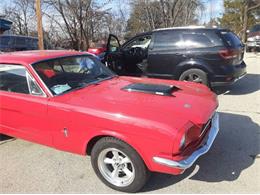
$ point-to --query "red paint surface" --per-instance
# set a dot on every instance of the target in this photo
(152, 124)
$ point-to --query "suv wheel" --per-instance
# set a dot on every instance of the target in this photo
(118, 165)
(195, 75)
(248, 49)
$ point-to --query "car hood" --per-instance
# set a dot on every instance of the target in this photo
(108, 99)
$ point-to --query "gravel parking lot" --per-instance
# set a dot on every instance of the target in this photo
(231, 166)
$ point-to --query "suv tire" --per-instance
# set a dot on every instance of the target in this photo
(118, 165)
(195, 75)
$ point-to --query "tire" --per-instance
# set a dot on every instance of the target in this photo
(248, 49)
(195, 75)
(4, 137)
(129, 176)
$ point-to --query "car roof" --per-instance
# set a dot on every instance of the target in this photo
(30, 57)
(180, 28)
(189, 28)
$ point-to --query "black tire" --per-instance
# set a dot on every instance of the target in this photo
(195, 75)
(141, 173)
(4, 137)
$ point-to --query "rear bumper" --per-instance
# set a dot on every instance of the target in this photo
(230, 76)
(188, 162)
(252, 44)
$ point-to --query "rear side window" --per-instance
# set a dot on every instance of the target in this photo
(15, 78)
(231, 38)
(167, 40)
(201, 39)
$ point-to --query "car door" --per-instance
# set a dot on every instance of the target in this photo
(23, 105)
(112, 58)
(165, 52)
(135, 53)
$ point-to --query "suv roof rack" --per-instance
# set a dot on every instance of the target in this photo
(180, 27)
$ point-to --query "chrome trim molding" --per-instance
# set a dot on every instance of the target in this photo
(188, 162)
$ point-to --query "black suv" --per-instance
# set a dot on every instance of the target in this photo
(211, 56)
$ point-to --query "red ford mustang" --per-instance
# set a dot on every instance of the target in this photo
(130, 126)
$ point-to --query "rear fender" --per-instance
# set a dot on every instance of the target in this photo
(199, 64)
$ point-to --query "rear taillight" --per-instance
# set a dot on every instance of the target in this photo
(229, 53)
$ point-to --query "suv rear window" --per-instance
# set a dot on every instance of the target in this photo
(231, 38)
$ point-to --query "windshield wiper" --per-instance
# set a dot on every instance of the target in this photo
(97, 79)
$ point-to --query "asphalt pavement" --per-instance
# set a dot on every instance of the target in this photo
(231, 166)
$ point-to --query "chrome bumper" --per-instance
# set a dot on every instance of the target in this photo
(188, 162)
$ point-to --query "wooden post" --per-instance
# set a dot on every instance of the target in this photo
(39, 24)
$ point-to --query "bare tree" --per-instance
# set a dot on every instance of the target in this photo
(21, 13)
(147, 15)
(249, 5)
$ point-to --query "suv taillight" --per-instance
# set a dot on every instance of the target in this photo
(229, 53)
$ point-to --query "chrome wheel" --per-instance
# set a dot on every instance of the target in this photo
(116, 167)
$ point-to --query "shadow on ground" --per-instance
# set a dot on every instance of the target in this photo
(234, 150)
(248, 84)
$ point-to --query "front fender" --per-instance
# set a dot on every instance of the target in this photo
(145, 146)
(127, 139)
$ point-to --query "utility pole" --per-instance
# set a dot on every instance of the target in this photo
(39, 24)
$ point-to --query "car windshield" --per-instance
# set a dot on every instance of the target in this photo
(66, 74)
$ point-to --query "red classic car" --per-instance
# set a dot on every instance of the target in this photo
(98, 49)
(130, 126)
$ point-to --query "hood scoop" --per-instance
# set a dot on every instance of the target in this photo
(157, 89)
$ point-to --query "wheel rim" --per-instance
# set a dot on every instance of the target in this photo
(116, 167)
(194, 78)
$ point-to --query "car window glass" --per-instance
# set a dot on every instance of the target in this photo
(255, 28)
(231, 38)
(33, 86)
(142, 42)
(13, 78)
(167, 40)
(113, 44)
(196, 40)
(65, 74)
